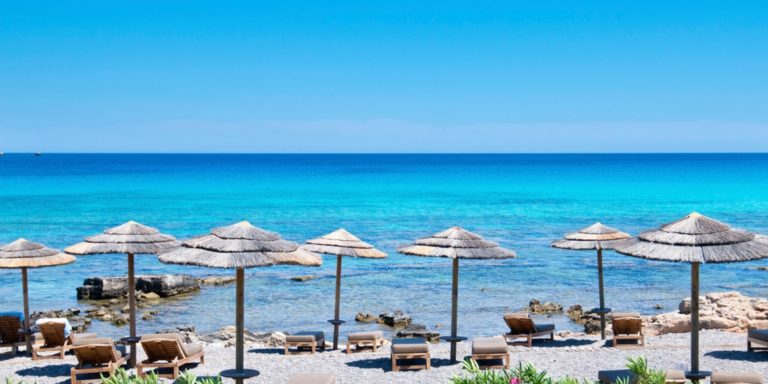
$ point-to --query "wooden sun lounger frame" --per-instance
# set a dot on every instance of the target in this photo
(492, 356)
(509, 337)
(632, 335)
(374, 343)
(174, 363)
(11, 325)
(110, 368)
(53, 341)
(312, 345)
(421, 355)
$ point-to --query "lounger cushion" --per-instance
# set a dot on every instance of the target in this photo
(414, 345)
(92, 341)
(489, 346)
(67, 326)
(366, 336)
(545, 328)
(308, 337)
(521, 315)
(619, 315)
(312, 378)
(736, 378)
(191, 349)
(760, 334)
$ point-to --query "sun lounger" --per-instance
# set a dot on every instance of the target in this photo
(166, 350)
(611, 377)
(57, 337)
(306, 341)
(11, 332)
(313, 378)
(415, 348)
(522, 327)
(627, 326)
(365, 339)
(736, 378)
(96, 355)
(759, 337)
(490, 349)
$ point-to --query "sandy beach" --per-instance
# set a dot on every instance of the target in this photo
(580, 356)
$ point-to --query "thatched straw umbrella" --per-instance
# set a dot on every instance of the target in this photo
(239, 246)
(595, 237)
(456, 243)
(26, 254)
(696, 239)
(132, 239)
(341, 243)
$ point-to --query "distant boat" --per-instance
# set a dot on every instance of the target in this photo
(2, 153)
(38, 154)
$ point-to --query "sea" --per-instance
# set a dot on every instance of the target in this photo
(522, 201)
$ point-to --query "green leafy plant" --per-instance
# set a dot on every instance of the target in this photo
(188, 377)
(474, 375)
(12, 380)
(643, 373)
(522, 374)
(122, 377)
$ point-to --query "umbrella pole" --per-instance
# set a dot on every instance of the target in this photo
(239, 320)
(602, 291)
(132, 309)
(26, 309)
(338, 300)
(695, 318)
(454, 308)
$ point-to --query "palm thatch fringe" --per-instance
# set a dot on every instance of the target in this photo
(26, 254)
(596, 236)
(696, 239)
(237, 252)
(341, 242)
(456, 243)
(131, 237)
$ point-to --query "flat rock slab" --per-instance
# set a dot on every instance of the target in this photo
(101, 288)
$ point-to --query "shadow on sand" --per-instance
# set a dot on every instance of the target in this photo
(385, 363)
(754, 357)
(57, 370)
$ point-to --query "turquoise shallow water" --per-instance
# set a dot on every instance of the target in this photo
(522, 201)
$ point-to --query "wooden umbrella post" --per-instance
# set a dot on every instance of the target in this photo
(25, 288)
(602, 290)
(239, 322)
(695, 318)
(336, 321)
(132, 309)
(454, 308)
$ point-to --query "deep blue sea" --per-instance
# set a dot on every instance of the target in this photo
(521, 201)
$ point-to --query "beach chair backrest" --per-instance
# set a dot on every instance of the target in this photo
(520, 323)
(9, 329)
(162, 347)
(53, 334)
(95, 351)
(627, 325)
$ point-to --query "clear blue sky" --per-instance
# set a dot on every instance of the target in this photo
(442, 76)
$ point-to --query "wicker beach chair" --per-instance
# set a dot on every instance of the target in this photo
(166, 350)
(55, 339)
(96, 356)
(11, 333)
(627, 326)
(521, 326)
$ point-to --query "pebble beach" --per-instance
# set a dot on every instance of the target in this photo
(577, 356)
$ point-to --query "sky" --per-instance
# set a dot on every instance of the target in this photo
(391, 76)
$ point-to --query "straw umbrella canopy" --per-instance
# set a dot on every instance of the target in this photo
(25, 254)
(132, 239)
(696, 239)
(595, 237)
(239, 246)
(341, 243)
(456, 243)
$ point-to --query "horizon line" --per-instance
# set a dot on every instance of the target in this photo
(385, 153)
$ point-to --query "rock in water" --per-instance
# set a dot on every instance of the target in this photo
(365, 317)
(167, 285)
(539, 308)
(304, 278)
(395, 319)
(218, 280)
(418, 330)
(101, 288)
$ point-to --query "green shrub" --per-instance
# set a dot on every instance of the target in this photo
(188, 377)
(644, 374)
(122, 377)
